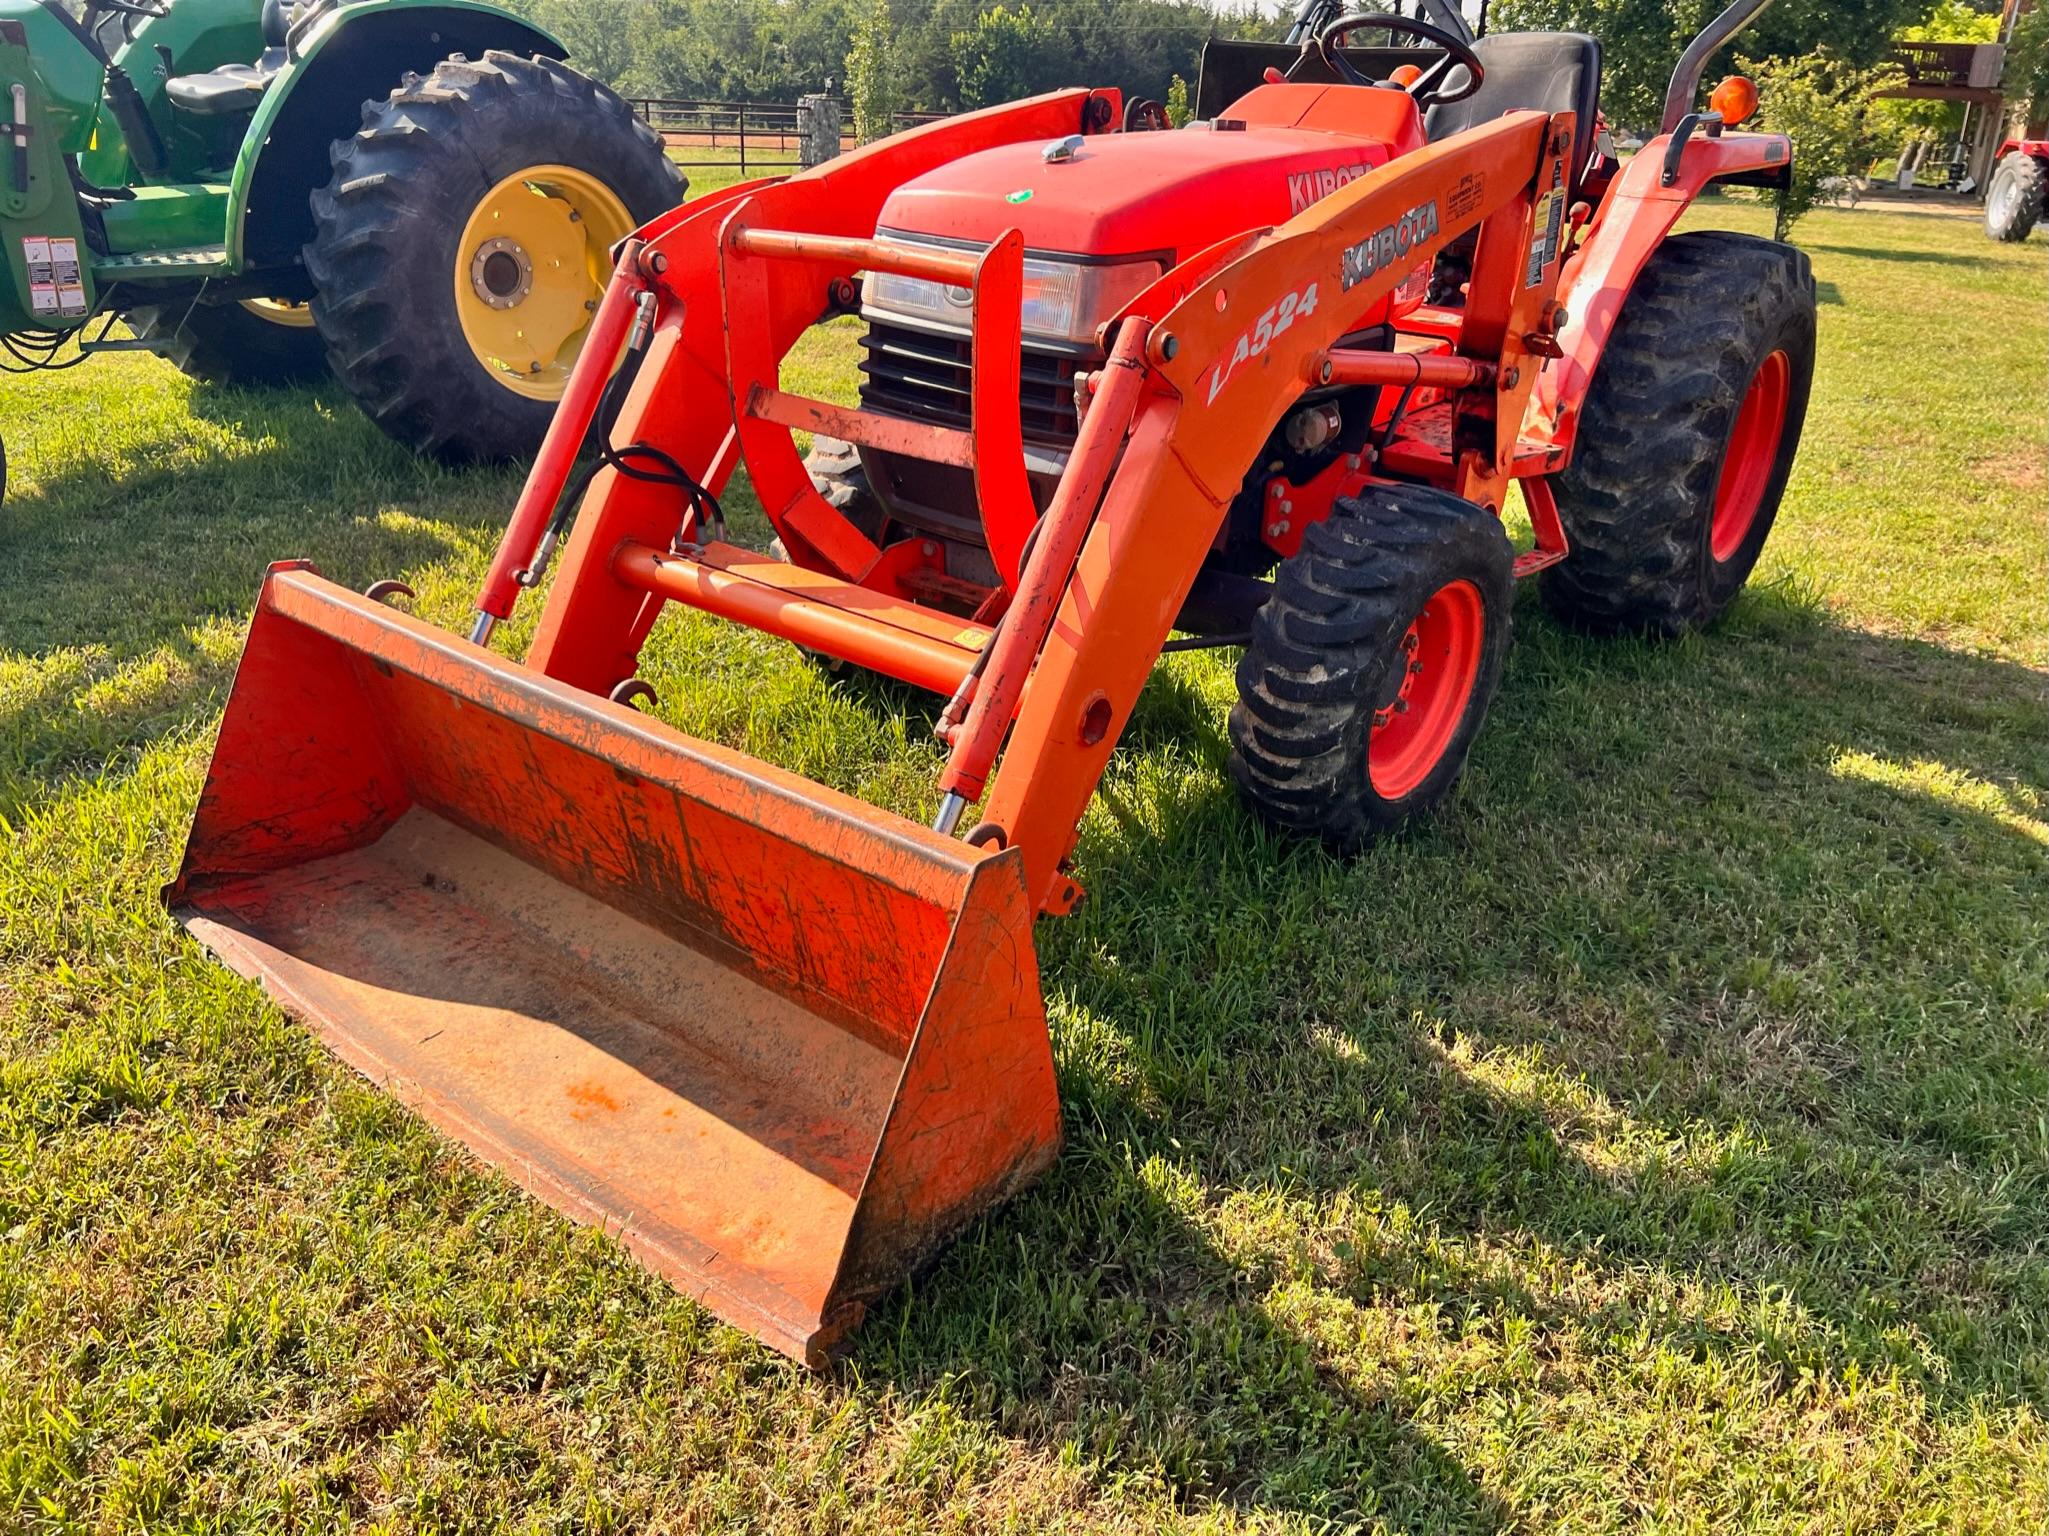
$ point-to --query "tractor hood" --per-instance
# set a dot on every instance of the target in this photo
(1164, 194)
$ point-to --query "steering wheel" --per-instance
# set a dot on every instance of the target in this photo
(1456, 50)
(1144, 115)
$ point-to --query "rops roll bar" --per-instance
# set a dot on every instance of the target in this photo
(1685, 84)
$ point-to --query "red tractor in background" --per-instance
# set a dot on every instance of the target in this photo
(1265, 382)
(2014, 197)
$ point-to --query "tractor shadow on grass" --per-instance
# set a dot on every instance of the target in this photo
(1716, 980)
(1914, 257)
(135, 567)
(129, 550)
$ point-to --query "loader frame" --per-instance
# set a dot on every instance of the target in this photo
(1202, 365)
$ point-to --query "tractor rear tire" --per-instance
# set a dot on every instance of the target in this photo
(254, 343)
(1372, 665)
(400, 245)
(1687, 438)
(2013, 203)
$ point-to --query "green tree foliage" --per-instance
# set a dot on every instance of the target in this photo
(2027, 66)
(1641, 40)
(871, 72)
(947, 54)
(1823, 103)
(1178, 109)
(1004, 54)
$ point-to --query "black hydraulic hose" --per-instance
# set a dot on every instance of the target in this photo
(665, 469)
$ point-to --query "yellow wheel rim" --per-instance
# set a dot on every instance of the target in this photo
(297, 317)
(530, 268)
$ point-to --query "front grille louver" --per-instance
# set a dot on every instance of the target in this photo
(926, 377)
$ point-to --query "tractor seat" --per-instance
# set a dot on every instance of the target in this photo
(225, 91)
(1544, 71)
(236, 88)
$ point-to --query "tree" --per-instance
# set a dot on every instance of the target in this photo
(2027, 67)
(597, 40)
(1178, 110)
(871, 72)
(1641, 40)
(1823, 103)
(1004, 55)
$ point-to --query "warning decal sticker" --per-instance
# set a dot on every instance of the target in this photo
(42, 280)
(1547, 230)
(64, 269)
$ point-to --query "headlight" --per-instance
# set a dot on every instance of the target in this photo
(1063, 300)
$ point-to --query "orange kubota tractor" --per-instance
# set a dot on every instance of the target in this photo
(1265, 381)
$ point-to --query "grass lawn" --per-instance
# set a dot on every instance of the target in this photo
(1659, 1142)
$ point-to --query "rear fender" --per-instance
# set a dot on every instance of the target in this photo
(345, 57)
(1632, 222)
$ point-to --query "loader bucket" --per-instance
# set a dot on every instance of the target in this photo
(782, 1044)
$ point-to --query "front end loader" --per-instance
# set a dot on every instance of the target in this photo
(417, 194)
(1266, 382)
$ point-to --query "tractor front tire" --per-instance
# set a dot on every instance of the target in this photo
(835, 468)
(836, 471)
(1687, 437)
(259, 342)
(2013, 203)
(462, 246)
(1372, 665)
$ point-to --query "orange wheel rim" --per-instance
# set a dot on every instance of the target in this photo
(1440, 658)
(1753, 450)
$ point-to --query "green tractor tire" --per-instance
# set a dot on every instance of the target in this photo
(464, 241)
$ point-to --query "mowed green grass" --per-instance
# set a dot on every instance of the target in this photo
(1658, 1142)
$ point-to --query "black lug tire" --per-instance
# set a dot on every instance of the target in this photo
(383, 255)
(1325, 654)
(224, 343)
(835, 468)
(2013, 203)
(1638, 498)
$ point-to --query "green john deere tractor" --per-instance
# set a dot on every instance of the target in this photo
(417, 194)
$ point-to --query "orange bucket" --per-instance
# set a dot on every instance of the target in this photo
(780, 1043)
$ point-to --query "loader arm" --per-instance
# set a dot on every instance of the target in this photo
(1235, 344)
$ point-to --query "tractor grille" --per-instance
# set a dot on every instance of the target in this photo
(925, 377)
